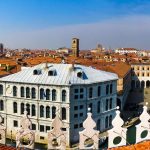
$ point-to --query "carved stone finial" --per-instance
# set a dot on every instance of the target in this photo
(143, 126)
(57, 137)
(117, 121)
(89, 133)
(117, 131)
(24, 133)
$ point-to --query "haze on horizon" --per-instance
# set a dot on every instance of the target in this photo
(53, 23)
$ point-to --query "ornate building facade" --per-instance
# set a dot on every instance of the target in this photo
(67, 89)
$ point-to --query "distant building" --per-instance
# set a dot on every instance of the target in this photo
(98, 49)
(68, 89)
(140, 75)
(63, 50)
(1, 48)
(75, 47)
(125, 50)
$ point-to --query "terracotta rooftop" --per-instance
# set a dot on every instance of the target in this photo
(140, 146)
(4, 147)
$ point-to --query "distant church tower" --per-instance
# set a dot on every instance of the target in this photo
(75, 47)
(1, 48)
(99, 48)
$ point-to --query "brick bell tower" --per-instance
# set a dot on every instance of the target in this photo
(75, 47)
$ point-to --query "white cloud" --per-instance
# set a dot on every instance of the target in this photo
(129, 31)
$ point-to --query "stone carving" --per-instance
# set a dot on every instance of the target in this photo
(143, 128)
(57, 137)
(2, 132)
(117, 135)
(89, 138)
(25, 137)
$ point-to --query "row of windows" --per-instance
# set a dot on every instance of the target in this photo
(44, 111)
(146, 74)
(140, 68)
(42, 128)
(31, 93)
(78, 115)
(109, 90)
(76, 126)
(78, 107)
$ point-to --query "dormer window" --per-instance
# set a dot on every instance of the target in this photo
(36, 72)
(80, 74)
(52, 73)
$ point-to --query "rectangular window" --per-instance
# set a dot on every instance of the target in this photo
(15, 123)
(41, 138)
(81, 106)
(76, 91)
(48, 128)
(75, 115)
(63, 129)
(81, 90)
(76, 97)
(75, 126)
(81, 96)
(99, 91)
(75, 107)
(33, 126)
(2, 120)
(81, 114)
(41, 128)
(91, 108)
(81, 125)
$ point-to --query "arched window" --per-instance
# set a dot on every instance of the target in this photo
(106, 106)
(98, 124)
(28, 108)
(110, 120)
(1, 105)
(53, 95)
(53, 112)
(90, 92)
(41, 111)
(98, 107)
(63, 95)
(22, 92)
(33, 93)
(111, 88)
(47, 112)
(99, 91)
(47, 94)
(15, 107)
(14, 91)
(27, 92)
(107, 89)
(33, 110)
(63, 113)
(22, 108)
(1, 89)
(110, 103)
(41, 93)
(106, 122)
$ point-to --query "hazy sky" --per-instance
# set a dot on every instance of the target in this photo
(53, 23)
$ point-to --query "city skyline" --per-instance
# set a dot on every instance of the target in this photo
(52, 24)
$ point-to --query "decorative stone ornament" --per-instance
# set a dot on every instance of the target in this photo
(89, 138)
(25, 137)
(57, 137)
(117, 135)
(143, 128)
(2, 132)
